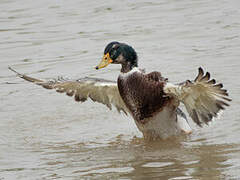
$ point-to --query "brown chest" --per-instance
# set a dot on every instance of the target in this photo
(144, 98)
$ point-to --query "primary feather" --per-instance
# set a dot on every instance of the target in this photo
(203, 98)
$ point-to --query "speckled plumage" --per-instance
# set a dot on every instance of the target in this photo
(143, 94)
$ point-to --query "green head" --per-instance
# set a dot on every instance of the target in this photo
(119, 53)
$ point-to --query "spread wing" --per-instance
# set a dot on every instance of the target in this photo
(203, 98)
(99, 90)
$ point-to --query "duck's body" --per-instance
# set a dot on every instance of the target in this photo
(154, 112)
(149, 98)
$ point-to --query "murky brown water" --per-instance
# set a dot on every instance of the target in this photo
(45, 135)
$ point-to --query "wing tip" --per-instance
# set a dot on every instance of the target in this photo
(200, 74)
(18, 74)
(217, 95)
(211, 82)
(25, 77)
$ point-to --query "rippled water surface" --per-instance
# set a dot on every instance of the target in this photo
(45, 135)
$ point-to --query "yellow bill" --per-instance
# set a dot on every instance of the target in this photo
(106, 60)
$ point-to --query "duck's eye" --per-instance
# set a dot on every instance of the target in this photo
(105, 58)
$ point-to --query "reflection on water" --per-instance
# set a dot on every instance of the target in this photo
(44, 135)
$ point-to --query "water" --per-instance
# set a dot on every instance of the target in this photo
(45, 135)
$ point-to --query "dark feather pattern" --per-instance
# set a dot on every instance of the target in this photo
(212, 81)
(200, 75)
(195, 117)
(143, 94)
(206, 77)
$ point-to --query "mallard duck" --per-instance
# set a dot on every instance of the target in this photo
(149, 98)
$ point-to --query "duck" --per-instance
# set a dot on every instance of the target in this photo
(149, 98)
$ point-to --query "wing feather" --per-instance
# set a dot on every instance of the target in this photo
(203, 98)
(98, 90)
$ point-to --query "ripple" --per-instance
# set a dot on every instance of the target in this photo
(157, 164)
